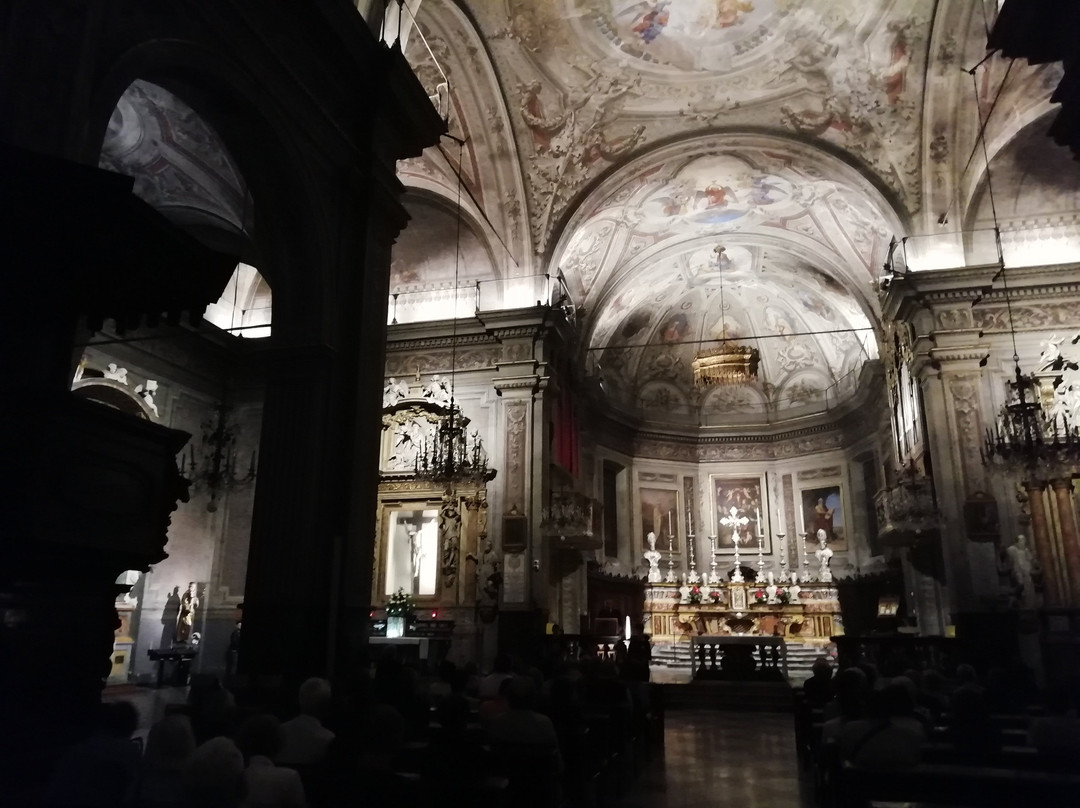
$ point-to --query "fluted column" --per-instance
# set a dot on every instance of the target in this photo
(1042, 540)
(1062, 489)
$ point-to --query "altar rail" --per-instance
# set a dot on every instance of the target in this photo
(732, 657)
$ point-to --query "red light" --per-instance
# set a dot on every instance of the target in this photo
(371, 613)
(434, 614)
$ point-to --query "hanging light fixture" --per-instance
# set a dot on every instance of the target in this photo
(216, 471)
(452, 455)
(730, 363)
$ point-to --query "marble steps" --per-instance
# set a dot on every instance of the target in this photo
(800, 658)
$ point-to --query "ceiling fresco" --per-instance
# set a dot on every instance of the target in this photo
(750, 189)
(179, 163)
(812, 334)
(590, 82)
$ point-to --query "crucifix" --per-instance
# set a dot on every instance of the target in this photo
(734, 521)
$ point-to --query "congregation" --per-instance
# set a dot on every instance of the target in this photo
(514, 736)
(919, 734)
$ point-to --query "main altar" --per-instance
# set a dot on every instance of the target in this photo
(806, 612)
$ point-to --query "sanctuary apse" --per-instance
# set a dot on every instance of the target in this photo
(530, 219)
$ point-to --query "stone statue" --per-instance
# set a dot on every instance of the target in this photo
(185, 617)
(794, 589)
(394, 392)
(652, 555)
(1021, 570)
(771, 589)
(146, 393)
(824, 554)
(416, 554)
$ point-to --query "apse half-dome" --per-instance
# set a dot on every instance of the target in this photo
(811, 333)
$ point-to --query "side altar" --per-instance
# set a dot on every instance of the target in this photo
(798, 612)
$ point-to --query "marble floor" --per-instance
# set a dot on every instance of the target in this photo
(719, 759)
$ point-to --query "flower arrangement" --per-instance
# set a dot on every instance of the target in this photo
(399, 605)
(695, 594)
(760, 596)
(714, 595)
(783, 595)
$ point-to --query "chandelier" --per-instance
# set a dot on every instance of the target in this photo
(216, 471)
(451, 455)
(726, 365)
(1026, 436)
(730, 363)
(569, 517)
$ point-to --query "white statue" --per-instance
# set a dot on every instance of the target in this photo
(794, 589)
(771, 589)
(117, 374)
(652, 555)
(438, 390)
(824, 555)
(146, 393)
(1021, 570)
(684, 593)
(394, 392)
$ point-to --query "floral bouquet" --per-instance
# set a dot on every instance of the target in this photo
(783, 595)
(714, 595)
(695, 594)
(399, 605)
(760, 596)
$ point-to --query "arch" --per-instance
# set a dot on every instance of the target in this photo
(761, 182)
(291, 219)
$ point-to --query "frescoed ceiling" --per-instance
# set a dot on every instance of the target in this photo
(590, 82)
(813, 337)
(626, 140)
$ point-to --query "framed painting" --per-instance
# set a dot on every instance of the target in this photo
(744, 494)
(660, 515)
(823, 509)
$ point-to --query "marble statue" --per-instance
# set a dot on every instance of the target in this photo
(1021, 570)
(794, 589)
(117, 374)
(652, 555)
(824, 554)
(771, 589)
(146, 393)
(394, 392)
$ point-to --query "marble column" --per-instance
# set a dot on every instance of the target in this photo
(1043, 541)
(1062, 489)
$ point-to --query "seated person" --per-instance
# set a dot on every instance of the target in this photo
(169, 748)
(849, 704)
(817, 690)
(304, 739)
(521, 726)
(215, 775)
(891, 738)
(268, 786)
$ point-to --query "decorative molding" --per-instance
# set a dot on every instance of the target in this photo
(515, 459)
(657, 477)
(963, 392)
(828, 472)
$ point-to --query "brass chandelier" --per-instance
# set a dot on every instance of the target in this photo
(730, 363)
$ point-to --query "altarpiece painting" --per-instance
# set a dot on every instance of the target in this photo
(660, 515)
(744, 494)
(823, 509)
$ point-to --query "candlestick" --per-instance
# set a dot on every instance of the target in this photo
(760, 557)
(805, 559)
(712, 552)
(737, 576)
(783, 555)
(670, 577)
(690, 542)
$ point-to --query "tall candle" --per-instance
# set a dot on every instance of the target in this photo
(670, 530)
(757, 523)
(689, 523)
(627, 627)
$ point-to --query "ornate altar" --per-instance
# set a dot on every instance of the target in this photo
(802, 612)
(432, 524)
